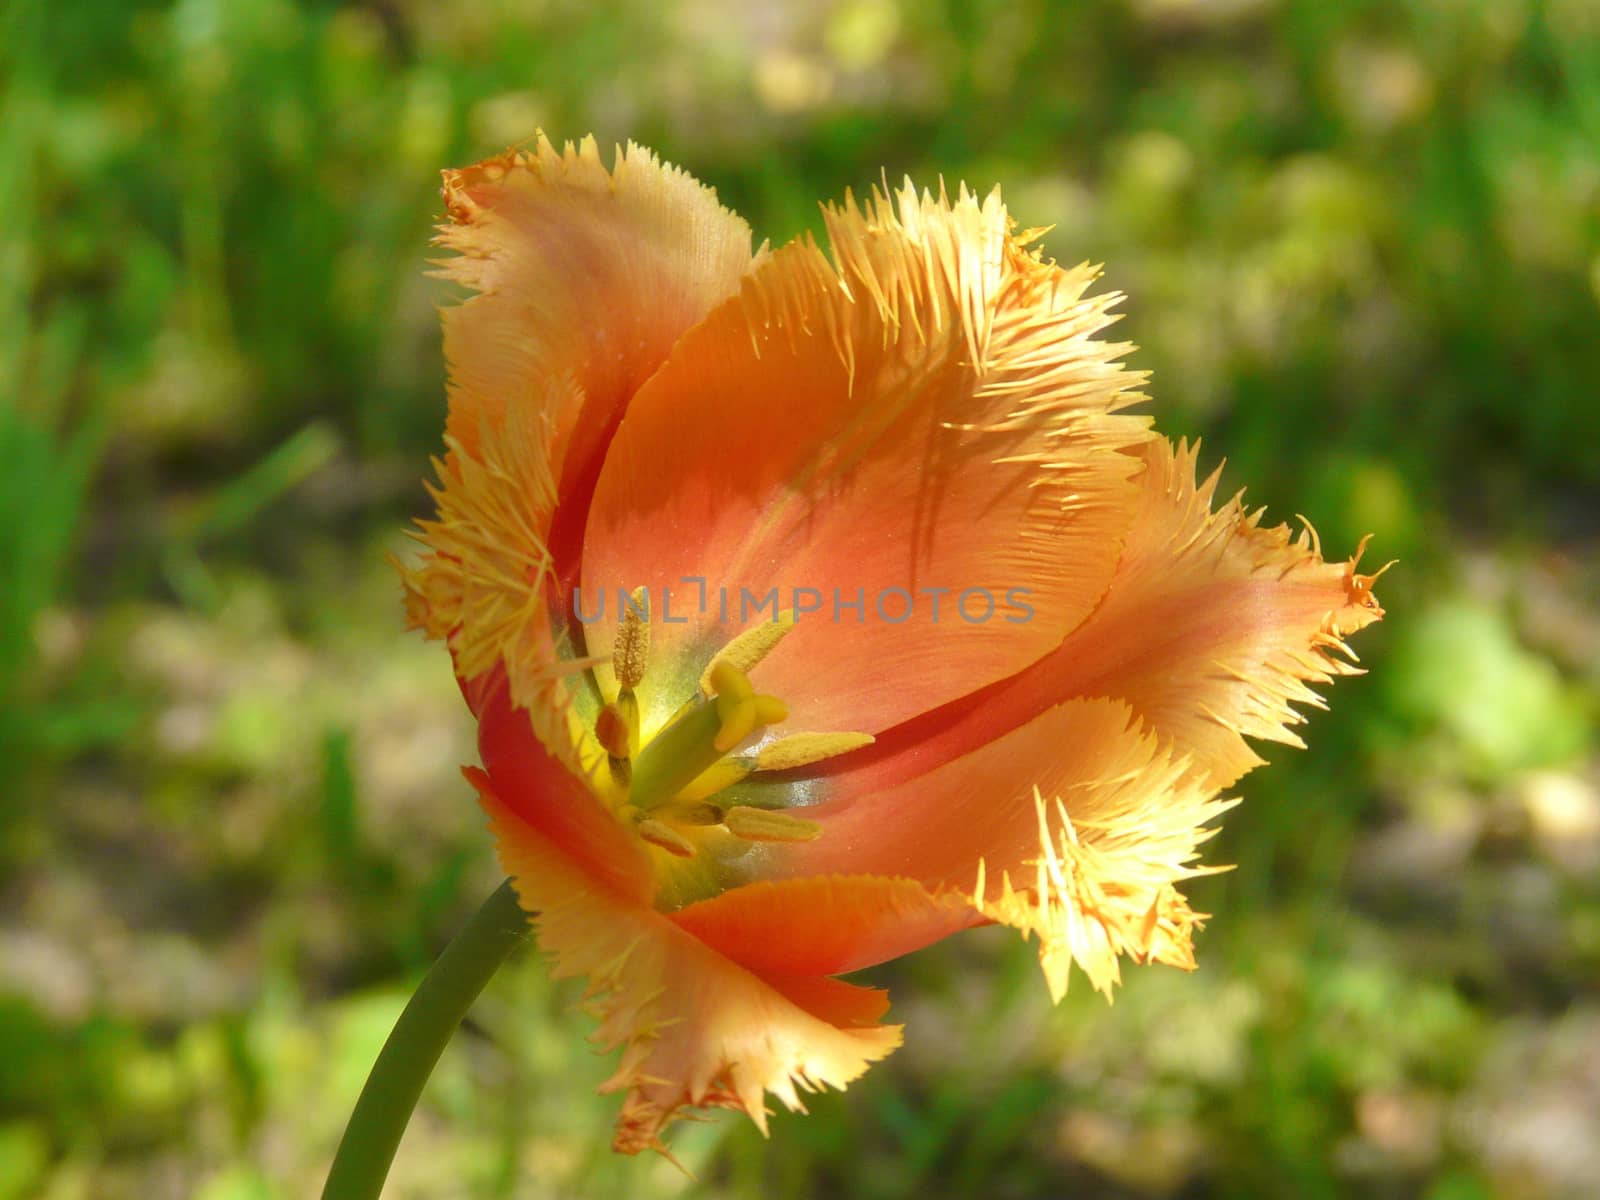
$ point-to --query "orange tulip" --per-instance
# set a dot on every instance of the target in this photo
(814, 608)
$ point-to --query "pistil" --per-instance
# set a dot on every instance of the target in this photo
(673, 782)
(701, 736)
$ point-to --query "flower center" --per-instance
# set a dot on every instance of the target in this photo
(673, 788)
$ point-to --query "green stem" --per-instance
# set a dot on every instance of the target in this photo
(446, 993)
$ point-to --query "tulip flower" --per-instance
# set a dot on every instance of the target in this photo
(815, 605)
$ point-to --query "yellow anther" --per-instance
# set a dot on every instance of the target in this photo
(658, 833)
(803, 749)
(769, 825)
(630, 650)
(747, 649)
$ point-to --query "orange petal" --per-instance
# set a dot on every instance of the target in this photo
(550, 796)
(697, 1030)
(935, 413)
(1214, 626)
(583, 279)
(824, 926)
(1212, 630)
(1073, 828)
(582, 275)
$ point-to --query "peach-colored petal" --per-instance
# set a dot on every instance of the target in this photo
(583, 279)
(548, 795)
(1214, 625)
(826, 925)
(935, 413)
(697, 1030)
(581, 275)
(1073, 828)
(1213, 628)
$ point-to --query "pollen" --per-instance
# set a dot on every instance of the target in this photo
(769, 825)
(630, 651)
(803, 749)
(659, 833)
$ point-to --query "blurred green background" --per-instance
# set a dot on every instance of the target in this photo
(1362, 245)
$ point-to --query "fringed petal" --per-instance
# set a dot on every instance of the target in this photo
(1074, 829)
(1214, 629)
(1038, 648)
(583, 279)
(696, 1029)
(859, 444)
(486, 585)
(1215, 626)
(580, 275)
(1250, 614)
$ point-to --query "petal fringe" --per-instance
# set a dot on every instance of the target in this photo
(1103, 882)
(1214, 629)
(583, 279)
(1215, 626)
(485, 584)
(1074, 829)
(580, 275)
(696, 1029)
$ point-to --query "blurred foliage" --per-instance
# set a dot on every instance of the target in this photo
(1362, 245)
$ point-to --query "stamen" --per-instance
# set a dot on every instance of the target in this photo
(617, 731)
(803, 749)
(769, 825)
(611, 730)
(658, 833)
(627, 707)
(621, 772)
(747, 649)
(701, 735)
(723, 773)
(617, 726)
(630, 650)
